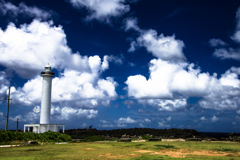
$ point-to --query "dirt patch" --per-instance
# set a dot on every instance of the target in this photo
(118, 156)
(89, 148)
(184, 152)
(139, 141)
(110, 156)
(143, 151)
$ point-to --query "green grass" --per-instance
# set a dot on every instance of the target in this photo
(116, 150)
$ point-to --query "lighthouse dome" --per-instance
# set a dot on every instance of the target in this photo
(47, 67)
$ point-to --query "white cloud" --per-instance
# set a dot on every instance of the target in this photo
(102, 10)
(121, 125)
(126, 120)
(227, 53)
(131, 23)
(29, 117)
(216, 42)
(169, 118)
(67, 113)
(147, 120)
(111, 58)
(223, 92)
(166, 78)
(37, 109)
(84, 125)
(234, 123)
(104, 121)
(7, 8)
(238, 112)
(214, 119)
(107, 125)
(169, 80)
(203, 118)
(163, 124)
(236, 35)
(85, 88)
(237, 118)
(141, 125)
(4, 84)
(1, 113)
(165, 105)
(180, 126)
(163, 47)
(41, 39)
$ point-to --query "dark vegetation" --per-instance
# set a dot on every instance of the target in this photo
(146, 133)
(9, 136)
(149, 134)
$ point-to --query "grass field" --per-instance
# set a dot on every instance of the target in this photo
(126, 150)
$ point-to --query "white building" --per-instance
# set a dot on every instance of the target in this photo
(45, 125)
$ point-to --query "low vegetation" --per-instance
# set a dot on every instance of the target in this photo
(145, 137)
(92, 139)
(8, 136)
(133, 150)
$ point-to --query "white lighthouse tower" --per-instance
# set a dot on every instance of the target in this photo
(46, 95)
(45, 125)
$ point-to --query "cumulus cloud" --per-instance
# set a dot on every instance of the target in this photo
(30, 117)
(147, 120)
(223, 93)
(126, 120)
(163, 124)
(169, 80)
(69, 113)
(116, 60)
(141, 125)
(131, 23)
(121, 125)
(129, 103)
(79, 78)
(166, 78)
(4, 84)
(72, 85)
(203, 118)
(106, 125)
(214, 119)
(236, 35)
(227, 53)
(41, 39)
(163, 47)
(102, 9)
(37, 109)
(104, 121)
(165, 105)
(216, 42)
(169, 119)
(7, 8)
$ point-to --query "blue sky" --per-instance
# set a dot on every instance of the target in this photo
(123, 63)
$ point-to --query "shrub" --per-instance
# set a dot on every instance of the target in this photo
(8, 136)
(146, 137)
(92, 138)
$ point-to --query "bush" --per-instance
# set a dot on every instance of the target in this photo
(8, 136)
(92, 138)
(145, 137)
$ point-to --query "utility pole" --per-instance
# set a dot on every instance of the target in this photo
(17, 125)
(7, 109)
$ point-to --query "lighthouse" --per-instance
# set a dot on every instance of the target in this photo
(45, 114)
(46, 95)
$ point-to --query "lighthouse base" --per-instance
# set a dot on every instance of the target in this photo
(41, 128)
